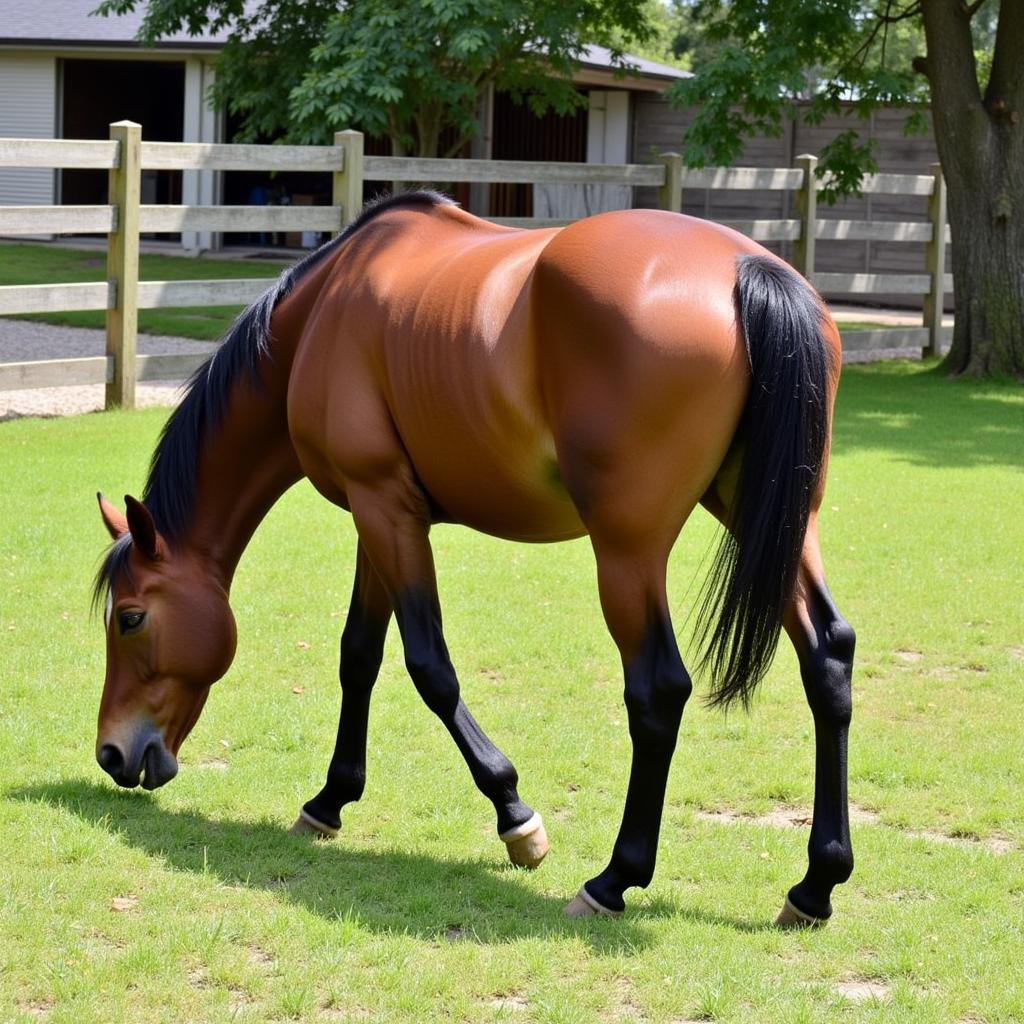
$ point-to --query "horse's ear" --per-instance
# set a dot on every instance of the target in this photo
(143, 529)
(113, 520)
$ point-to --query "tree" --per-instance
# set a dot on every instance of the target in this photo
(411, 70)
(768, 53)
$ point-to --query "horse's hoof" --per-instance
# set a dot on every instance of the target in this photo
(793, 917)
(527, 844)
(584, 905)
(307, 825)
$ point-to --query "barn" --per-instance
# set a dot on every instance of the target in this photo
(65, 73)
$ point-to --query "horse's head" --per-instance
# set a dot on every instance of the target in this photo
(170, 636)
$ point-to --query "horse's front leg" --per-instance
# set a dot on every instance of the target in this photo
(632, 587)
(824, 643)
(362, 648)
(393, 521)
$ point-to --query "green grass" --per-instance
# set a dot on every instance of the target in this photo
(45, 264)
(861, 325)
(412, 914)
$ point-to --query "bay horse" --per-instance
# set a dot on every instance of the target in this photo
(427, 366)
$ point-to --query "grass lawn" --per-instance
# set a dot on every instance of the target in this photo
(194, 903)
(46, 264)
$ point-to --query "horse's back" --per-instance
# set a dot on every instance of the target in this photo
(503, 363)
(422, 345)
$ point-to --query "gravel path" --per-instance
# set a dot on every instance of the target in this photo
(23, 340)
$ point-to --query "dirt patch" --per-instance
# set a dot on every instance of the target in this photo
(123, 904)
(38, 1008)
(627, 1008)
(198, 978)
(908, 656)
(860, 990)
(782, 817)
(105, 940)
(996, 843)
(795, 817)
(260, 958)
(511, 1003)
(342, 1013)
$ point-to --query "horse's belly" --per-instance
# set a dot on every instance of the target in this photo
(513, 491)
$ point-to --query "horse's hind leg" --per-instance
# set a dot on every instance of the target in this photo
(393, 523)
(824, 643)
(632, 588)
(362, 648)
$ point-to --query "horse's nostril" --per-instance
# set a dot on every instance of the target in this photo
(111, 759)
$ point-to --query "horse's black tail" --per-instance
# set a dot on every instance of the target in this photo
(783, 433)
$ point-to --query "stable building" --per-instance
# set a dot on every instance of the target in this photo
(65, 73)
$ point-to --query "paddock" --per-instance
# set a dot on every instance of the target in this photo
(195, 903)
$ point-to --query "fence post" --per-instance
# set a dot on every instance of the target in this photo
(807, 211)
(123, 264)
(348, 182)
(670, 195)
(935, 264)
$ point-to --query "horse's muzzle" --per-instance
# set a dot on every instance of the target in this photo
(150, 763)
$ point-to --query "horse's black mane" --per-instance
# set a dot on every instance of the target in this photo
(172, 473)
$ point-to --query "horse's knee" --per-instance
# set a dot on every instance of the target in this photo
(827, 674)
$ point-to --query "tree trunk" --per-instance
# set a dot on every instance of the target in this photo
(986, 220)
(981, 147)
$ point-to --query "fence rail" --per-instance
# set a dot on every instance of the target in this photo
(125, 156)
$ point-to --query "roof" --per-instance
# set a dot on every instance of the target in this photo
(71, 23)
(598, 58)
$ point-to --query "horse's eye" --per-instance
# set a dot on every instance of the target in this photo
(129, 622)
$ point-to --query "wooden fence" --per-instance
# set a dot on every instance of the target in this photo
(124, 218)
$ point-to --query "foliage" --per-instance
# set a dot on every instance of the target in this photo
(763, 56)
(769, 55)
(194, 904)
(411, 70)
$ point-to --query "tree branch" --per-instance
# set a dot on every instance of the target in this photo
(911, 12)
(954, 72)
(1005, 93)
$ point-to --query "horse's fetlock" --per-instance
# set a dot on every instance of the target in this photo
(833, 860)
(347, 782)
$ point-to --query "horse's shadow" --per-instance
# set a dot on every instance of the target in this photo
(387, 890)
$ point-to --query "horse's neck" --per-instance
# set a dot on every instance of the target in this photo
(242, 470)
(250, 462)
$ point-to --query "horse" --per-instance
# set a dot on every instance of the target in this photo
(600, 379)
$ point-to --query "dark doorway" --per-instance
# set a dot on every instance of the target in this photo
(273, 188)
(95, 93)
(519, 134)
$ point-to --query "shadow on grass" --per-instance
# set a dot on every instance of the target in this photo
(387, 890)
(919, 415)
